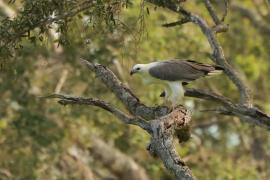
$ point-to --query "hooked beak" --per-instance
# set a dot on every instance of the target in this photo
(132, 72)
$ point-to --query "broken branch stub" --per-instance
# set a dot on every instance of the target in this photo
(161, 144)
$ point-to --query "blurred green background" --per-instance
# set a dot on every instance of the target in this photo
(40, 139)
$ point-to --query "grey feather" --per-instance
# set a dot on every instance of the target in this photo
(182, 70)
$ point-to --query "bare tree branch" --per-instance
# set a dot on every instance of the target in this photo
(161, 128)
(162, 142)
(177, 23)
(218, 21)
(65, 100)
(132, 103)
(207, 95)
(220, 28)
(226, 3)
(249, 114)
(212, 12)
(217, 49)
(163, 123)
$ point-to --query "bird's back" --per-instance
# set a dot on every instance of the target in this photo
(182, 70)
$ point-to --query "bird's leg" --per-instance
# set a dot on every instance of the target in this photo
(177, 94)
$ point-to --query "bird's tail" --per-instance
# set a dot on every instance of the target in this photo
(215, 71)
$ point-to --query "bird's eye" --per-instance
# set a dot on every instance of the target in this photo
(138, 69)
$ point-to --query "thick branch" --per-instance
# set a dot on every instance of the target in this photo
(132, 103)
(162, 142)
(220, 60)
(249, 114)
(217, 50)
(207, 95)
(161, 145)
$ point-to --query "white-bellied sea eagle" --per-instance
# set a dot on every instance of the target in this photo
(172, 73)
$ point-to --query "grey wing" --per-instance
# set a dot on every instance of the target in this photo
(180, 70)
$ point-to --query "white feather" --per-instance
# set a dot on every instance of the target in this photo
(215, 72)
(176, 93)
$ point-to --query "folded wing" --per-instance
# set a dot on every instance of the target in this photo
(182, 70)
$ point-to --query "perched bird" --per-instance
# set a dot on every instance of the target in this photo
(172, 74)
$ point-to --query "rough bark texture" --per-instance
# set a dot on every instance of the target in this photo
(161, 124)
(248, 114)
(162, 141)
(243, 109)
(132, 103)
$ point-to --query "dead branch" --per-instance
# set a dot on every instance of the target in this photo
(226, 3)
(177, 23)
(161, 144)
(164, 123)
(66, 99)
(248, 114)
(218, 54)
(161, 128)
(212, 12)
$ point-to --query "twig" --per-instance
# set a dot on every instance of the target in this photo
(212, 12)
(177, 23)
(207, 95)
(226, 3)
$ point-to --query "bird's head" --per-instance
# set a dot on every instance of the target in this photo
(138, 68)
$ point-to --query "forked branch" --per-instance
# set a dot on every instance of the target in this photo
(161, 126)
(248, 114)
(218, 54)
(66, 99)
